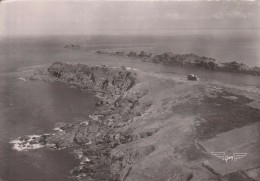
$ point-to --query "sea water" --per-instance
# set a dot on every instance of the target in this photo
(33, 108)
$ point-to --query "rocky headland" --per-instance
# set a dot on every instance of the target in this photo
(156, 127)
(188, 60)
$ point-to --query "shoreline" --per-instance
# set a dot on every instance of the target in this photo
(152, 126)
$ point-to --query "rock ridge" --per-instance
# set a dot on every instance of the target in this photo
(188, 60)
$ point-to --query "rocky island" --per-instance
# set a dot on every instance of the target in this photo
(156, 127)
(188, 60)
(72, 46)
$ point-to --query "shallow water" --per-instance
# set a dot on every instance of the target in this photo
(34, 107)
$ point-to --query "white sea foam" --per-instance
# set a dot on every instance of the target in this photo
(100, 95)
(58, 129)
(85, 160)
(131, 68)
(23, 79)
(94, 117)
(84, 123)
(25, 145)
(51, 145)
(28, 70)
(81, 175)
(79, 153)
(88, 143)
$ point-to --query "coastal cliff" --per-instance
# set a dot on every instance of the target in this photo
(112, 82)
(155, 127)
(188, 60)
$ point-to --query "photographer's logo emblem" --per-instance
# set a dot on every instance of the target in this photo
(224, 157)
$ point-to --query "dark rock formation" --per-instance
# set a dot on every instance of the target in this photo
(73, 46)
(144, 54)
(108, 81)
(190, 60)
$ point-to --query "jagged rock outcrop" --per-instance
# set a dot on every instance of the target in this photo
(110, 82)
(190, 60)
